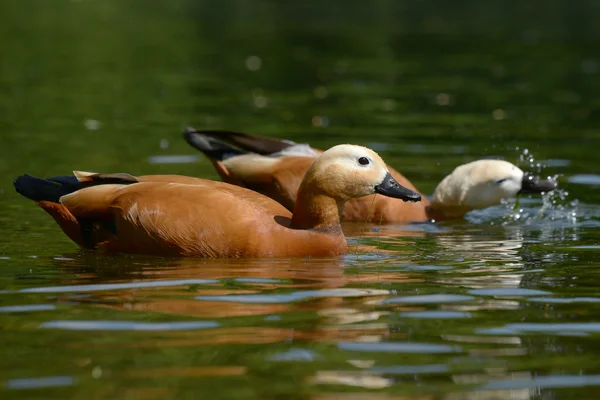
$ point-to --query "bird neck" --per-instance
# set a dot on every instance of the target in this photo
(316, 210)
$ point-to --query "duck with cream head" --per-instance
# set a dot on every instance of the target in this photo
(171, 215)
(275, 168)
(481, 184)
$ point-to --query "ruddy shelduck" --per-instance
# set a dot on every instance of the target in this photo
(275, 168)
(172, 215)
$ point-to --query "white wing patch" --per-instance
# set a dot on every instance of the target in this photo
(297, 150)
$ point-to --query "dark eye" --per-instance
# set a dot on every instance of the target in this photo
(499, 181)
(363, 161)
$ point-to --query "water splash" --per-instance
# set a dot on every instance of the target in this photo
(556, 205)
(526, 159)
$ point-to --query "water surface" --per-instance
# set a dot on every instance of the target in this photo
(504, 303)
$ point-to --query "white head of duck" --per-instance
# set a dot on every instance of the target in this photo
(484, 183)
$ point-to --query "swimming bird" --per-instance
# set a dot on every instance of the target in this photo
(275, 168)
(171, 215)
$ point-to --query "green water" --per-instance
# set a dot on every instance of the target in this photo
(504, 303)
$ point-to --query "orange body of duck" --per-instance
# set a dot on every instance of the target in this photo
(172, 215)
(275, 168)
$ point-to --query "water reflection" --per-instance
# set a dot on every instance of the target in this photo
(360, 321)
(543, 382)
(227, 289)
(38, 383)
(352, 379)
(582, 328)
(27, 308)
(398, 347)
(127, 325)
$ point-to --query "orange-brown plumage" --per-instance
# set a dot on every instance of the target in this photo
(281, 180)
(275, 168)
(166, 219)
(172, 215)
(279, 176)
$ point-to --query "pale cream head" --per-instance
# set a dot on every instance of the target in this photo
(347, 171)
(478, 184)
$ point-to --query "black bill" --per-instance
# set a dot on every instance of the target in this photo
(534, 184)
(389, 187)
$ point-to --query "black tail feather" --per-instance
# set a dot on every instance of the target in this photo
(209, 146)
(254, 144)
(65, 180)
(51, 189)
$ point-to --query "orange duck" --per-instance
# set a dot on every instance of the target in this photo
(172, 215)
(275, 168)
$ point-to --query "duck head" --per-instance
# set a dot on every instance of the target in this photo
(484, 183)
(348, 171)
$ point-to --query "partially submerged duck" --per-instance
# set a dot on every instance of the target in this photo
(171, 215)
(275, 168)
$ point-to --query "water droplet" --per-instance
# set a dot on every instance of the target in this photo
(443, 99)
(253, 63)
(261, 101)
(92, 124)
(97, 372)
(499, 114)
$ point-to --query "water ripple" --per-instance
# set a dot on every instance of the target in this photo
(559, 300)
(42, 382)
(174, 159)
(128, 325)
(117, 286)
(296, 296)
(257, 280)
(507, 292)
(426, 267)
(411, 369)
(434, 314)
(428, 299)
(544, 382)
(585, 179)
(27, 308)
(399, 347)
(512, 329)
(295, 355)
